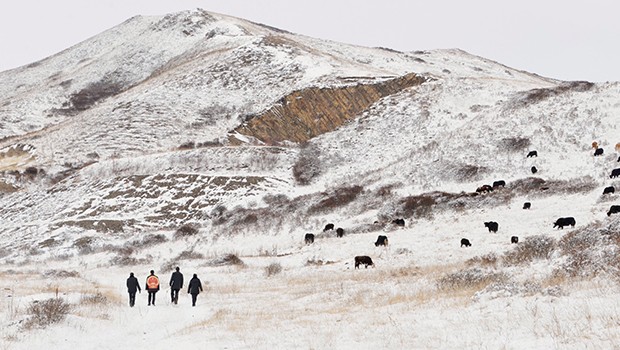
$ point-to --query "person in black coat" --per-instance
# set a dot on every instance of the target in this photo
(195, 287)
(176, 283)
(132, 287)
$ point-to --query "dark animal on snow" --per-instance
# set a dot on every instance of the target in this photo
(619, 159)
(309, 238)
(598, 152)
(532, 154)
(609, 189)
(328, 227)
(615, 172)
(499, 183)
(527, 205)
(399, 222)
(492, 226)
(465, 242)
(613, 210)
(363, 259)
(534, 170)
(484, 189)
(561, 222)
(514, 239)
(339, 232)
(381, 240)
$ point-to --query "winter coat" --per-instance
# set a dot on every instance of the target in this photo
(132, 284)
(195, 286)
(153, 289)
(176, 280)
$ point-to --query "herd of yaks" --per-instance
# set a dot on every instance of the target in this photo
(560, 222)
(491, 225)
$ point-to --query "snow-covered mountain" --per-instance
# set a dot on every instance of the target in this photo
(252, 135)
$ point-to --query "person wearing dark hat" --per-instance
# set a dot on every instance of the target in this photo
(176, 283)
(132, 287)
(152, 286)
(195, 287)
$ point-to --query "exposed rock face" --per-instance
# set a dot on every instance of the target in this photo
(310, 112)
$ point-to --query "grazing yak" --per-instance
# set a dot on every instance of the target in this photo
(465, 242)
(328, 227)
(492, 226)
(514, 239)
(561, 222)
(534, 170)
(339, 232)
(532, 154)
(610, 189)
(527, 205)
(615, 172)
(381, 240)
(363, 259)
(399, 222)
(309, 238)
(484, 189)
(613, 210)
(598, 152)
(500, 183)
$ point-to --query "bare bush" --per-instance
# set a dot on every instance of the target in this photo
(189, 255)
(273, 269)
(514, 144)
(84, 244)
(148, 241)
(186, 230)
(94, 299)
(307, 167)
(591, 250)
(126, 260)
(469, 173)
(91, 94)
(467, 279)
(61, 274)
(528, 185)
(228, 259)
(187, 145)
(50, 242)
(486, 260)
(534, 247)
(535, 185)
(537, 95)
(417, 206)
(335, 199)
(47, 312)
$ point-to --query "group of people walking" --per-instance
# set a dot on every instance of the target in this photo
(152, 287)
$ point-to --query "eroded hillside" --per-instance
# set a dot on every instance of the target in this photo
(308, 113)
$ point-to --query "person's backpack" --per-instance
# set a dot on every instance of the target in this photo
(152, 282)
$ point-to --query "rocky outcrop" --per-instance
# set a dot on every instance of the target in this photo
(310, 112)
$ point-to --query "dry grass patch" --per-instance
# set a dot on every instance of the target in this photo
(470, 280)
(534, 247)
(46, 312)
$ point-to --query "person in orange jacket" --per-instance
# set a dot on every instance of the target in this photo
(152, 286)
